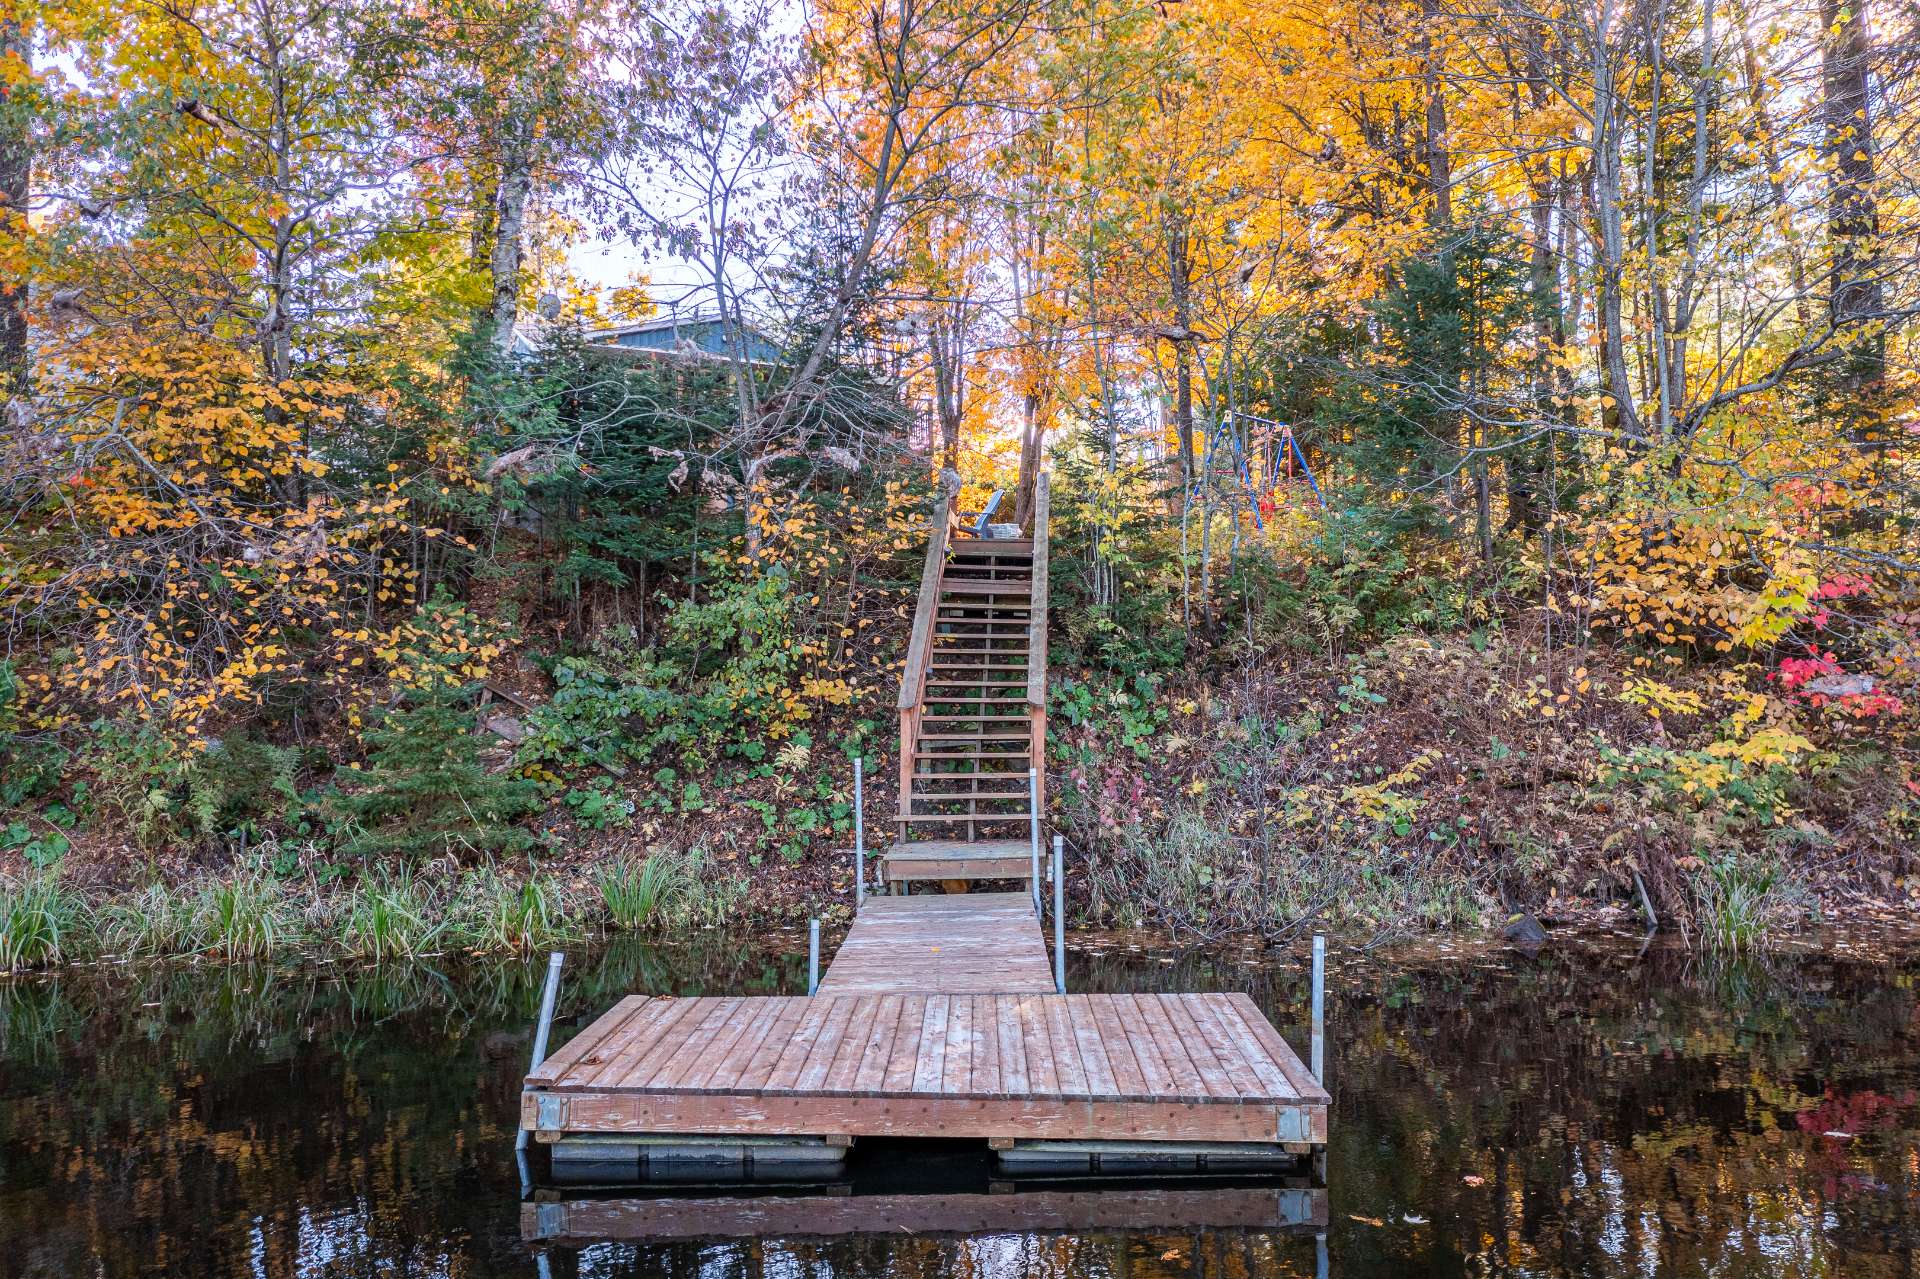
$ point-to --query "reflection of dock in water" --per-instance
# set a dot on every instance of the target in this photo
(579, 1222)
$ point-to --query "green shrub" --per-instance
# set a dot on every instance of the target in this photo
(426, 792)
(607, 708)
(41, 921)
(41, 851)
(167, 792)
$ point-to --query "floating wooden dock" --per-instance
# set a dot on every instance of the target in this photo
(896, 1045)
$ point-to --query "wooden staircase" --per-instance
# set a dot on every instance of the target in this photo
(973, 716)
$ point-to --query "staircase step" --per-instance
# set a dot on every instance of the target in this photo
(978, 666)
(977, 737)
(950, 699)
(948, 819)
(982, 796)
(990, 546)
(967, 586)
(1007, 775)
(958, 755)
(973, 718)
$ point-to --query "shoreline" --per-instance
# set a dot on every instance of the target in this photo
(482, 915)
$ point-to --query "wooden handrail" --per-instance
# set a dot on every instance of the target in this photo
(1037, 619)
(913, 675)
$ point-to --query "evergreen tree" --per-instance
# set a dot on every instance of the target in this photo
(427, 791)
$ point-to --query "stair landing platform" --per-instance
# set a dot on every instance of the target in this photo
(891, 1046)
(925, 860)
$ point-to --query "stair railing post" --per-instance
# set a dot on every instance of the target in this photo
(1059, 918)
(1033, 832)
(813, 955)
(859, 834)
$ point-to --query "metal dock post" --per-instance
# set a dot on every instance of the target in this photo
(1317, 1043)
(1059, 917)
(813, 955)
(859, 834)
(1033, 832)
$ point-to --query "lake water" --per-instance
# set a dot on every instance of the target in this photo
(1592, 1110)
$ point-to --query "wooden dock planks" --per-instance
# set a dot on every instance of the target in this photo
(937, 1018)
(1059, 1067)
(977, 943)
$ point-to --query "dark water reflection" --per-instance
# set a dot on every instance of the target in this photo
(1590, 1111)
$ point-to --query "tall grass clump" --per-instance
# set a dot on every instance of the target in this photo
(42, 921)
(655, 892)
(1740, 899)
(493, 912)
(157, 920)
(666, 890)
(245, 916)
(389, 915)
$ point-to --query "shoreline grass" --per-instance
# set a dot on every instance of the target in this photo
(41, 919)
(249, 913)
(394, 914)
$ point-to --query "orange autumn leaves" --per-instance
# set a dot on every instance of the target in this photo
(189, 534)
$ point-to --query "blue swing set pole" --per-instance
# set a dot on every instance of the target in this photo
(1293, 444)
(1305, 470)
(1246, 475)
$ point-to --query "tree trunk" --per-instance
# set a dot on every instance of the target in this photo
(16, 174)
(509, 225)
(1180, 290)
(947, 346)
(1028, 482)
(1853, 215)
(1606, 200)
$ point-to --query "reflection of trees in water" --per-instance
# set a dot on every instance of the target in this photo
(188, 1118)
(1623, 1114)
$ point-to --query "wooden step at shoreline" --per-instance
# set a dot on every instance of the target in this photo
(936, 860)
